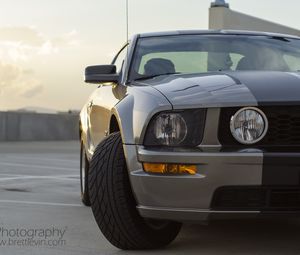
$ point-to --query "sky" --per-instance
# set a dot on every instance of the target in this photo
(46, 44)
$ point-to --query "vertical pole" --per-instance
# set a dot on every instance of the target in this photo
(127, 37)
(127, 21)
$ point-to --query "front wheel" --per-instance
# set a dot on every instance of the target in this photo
(114, 206)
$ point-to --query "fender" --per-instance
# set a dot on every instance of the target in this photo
(83, 125)
(135, 111)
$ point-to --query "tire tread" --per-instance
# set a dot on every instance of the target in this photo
(113, 203)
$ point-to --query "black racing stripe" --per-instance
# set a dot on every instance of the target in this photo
(281, 169)
(271, 88)
(235, 79)
(281, 89)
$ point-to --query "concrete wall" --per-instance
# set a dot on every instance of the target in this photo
(225, 18)
(22, 126)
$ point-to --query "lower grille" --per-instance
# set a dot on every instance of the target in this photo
(257, 198)
(284, 126)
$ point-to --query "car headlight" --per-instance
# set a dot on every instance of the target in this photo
(184, 128)
(170, 128)
(249, 125)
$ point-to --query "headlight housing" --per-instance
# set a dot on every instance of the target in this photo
(180, 128)
(170, 128)
(249, 125)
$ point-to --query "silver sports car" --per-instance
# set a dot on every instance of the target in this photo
(191, 126)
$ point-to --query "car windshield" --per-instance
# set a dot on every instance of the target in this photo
(159, 55)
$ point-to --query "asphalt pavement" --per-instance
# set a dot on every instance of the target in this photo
(41, 213)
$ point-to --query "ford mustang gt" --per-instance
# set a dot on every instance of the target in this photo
(191, 126)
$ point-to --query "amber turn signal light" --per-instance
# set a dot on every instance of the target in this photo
(158, 168)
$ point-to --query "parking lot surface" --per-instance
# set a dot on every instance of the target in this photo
(41, 213)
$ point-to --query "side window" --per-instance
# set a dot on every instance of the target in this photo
(119, 58)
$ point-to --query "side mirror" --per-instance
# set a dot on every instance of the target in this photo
(101, 74)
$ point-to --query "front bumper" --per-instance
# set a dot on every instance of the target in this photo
(189, 197)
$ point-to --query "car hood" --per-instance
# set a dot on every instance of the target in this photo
(224, 89)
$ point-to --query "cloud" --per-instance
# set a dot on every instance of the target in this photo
(22, 43)
(14, 51)
(18, 81)
(9, 74)
(47, 48)
(31, 88)
(67, 39)
(23, 35)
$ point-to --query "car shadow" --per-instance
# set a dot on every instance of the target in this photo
(241, 237)
(259, 236)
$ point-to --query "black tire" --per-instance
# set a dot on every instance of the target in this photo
(114, 206)
(84, 169)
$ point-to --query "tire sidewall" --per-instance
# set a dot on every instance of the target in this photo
(113, 202)
(84, 191)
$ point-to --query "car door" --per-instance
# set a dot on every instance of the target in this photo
(101, 104)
